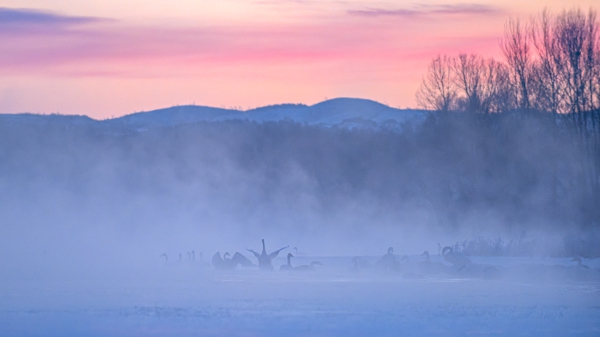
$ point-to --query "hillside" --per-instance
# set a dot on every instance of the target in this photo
(339, 111)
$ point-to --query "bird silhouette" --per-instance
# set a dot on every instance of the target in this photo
(458, 259)
(287, 266)
(229, 263)
(264, 259)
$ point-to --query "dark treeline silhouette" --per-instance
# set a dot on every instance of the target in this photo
(551, 67)
(552, 64)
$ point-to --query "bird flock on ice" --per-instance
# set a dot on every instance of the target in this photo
(449, 261)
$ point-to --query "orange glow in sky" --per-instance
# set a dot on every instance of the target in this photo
(105, 58)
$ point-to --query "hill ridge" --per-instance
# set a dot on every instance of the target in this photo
(345, 111)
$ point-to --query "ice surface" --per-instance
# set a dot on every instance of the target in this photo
(335, 300)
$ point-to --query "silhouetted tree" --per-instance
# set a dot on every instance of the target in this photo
(516, 50)
(438, 88)
(552, 65)
(484, 84)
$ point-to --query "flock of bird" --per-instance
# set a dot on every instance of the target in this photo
(264, 260)
(229, 262)
(460, 264)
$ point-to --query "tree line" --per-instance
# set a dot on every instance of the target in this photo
(550, 66)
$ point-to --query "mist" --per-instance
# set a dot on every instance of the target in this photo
(114, 197)
(88, 208)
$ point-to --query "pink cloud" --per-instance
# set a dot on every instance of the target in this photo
(421, 10)
(90, 46)
(101, 66)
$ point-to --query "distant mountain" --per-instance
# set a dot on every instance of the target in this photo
(338, 111)
(347, 112)
(41, 120)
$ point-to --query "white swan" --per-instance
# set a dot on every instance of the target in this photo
(287, 266)
(388, 261)
(227, 263)
(264, 259)
(297, 252)
(429, 268)
(458, 259)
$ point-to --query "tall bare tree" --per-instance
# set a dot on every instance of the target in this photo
(566, 80)
(552, 65)
(484, 83)
(516, 49)
(468, 71)
(547, 69)
(498, 92)
(438, 90)
(572, 37)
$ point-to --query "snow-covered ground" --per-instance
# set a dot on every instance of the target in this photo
(527, 297)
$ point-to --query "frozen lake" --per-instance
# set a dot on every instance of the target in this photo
(527, 297)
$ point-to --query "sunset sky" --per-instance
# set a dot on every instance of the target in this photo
(105, 58)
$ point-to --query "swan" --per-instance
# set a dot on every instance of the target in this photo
(264, 259)
(468, 269)
(458, 259)
(229, 263)
(580, 262)
(388, 261)
(297, 252)
(308, 267)
(431, 268)
(169, 263)
(426, 254)
(287, 266)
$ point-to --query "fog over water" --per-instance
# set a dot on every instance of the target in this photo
(83, 202)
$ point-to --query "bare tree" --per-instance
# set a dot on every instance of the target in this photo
(516, 50)
(566, 70)
(547, 69)
(438, 90)
(553, 65)
(468, 71)
(484, 83)
(498, 92)
(572, 37)
(567, 45)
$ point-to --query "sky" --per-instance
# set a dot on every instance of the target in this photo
(108, 58)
